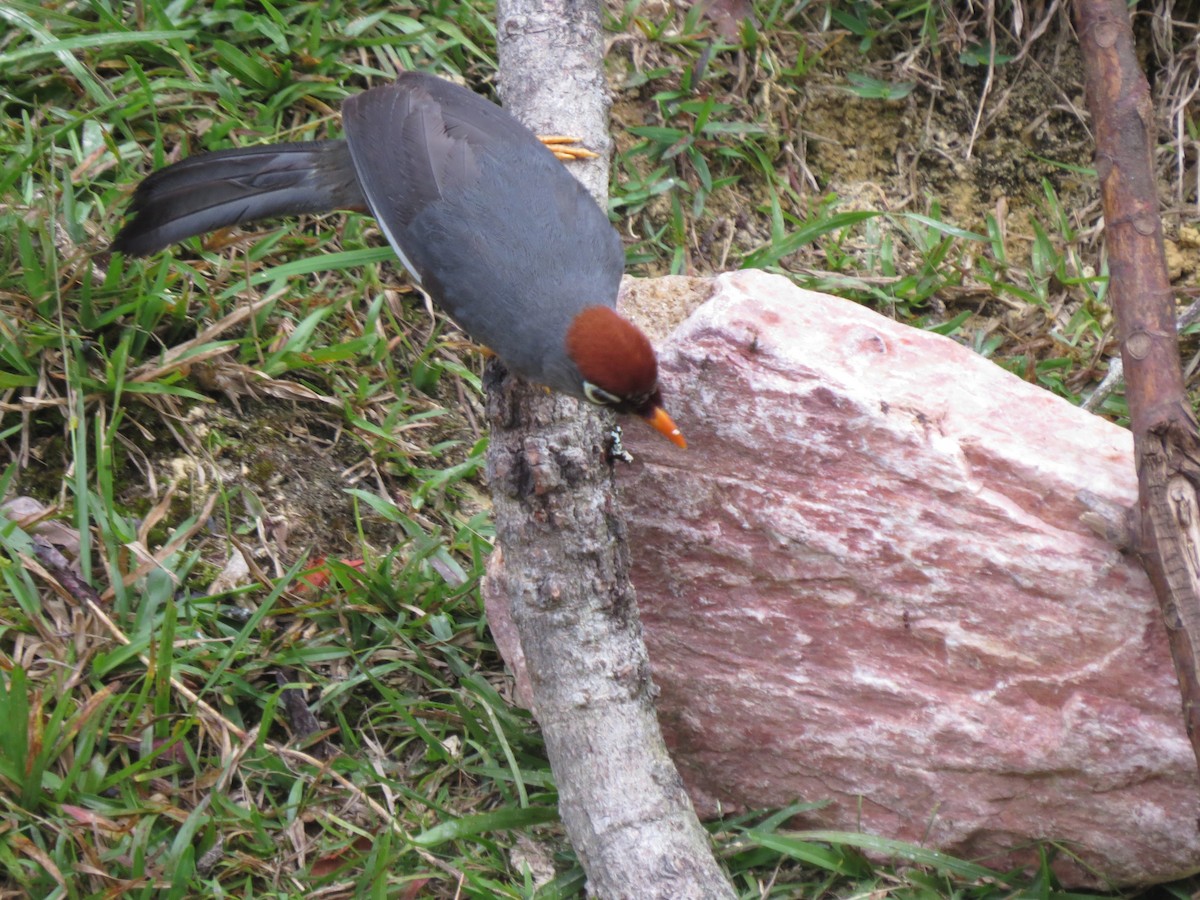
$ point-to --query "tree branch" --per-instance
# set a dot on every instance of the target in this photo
(564, 562)
(1165, 433)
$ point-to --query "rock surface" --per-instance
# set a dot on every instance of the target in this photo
(866, 582)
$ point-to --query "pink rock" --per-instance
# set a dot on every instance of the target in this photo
(866, 581)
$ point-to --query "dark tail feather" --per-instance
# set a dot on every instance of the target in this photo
(216, 190)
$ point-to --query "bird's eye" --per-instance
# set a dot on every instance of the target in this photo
(599, 396)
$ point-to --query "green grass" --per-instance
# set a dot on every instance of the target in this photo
(264, 456)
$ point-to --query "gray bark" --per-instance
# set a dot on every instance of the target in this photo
(565, 561)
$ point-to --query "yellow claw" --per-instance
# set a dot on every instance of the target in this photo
(558, 144)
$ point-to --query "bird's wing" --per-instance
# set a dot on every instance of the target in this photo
(420, 141)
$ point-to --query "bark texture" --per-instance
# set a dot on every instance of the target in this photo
(1165, 433)
(562, 559)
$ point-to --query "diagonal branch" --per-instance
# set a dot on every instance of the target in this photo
(1166, 442)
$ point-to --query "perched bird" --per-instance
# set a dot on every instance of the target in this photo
(484, 217)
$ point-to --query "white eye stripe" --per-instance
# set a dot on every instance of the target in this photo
(599, 396)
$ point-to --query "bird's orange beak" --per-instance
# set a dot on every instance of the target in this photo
(663, 424)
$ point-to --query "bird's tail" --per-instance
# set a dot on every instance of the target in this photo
(216, 190)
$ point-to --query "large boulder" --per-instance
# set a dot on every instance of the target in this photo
(866, 581)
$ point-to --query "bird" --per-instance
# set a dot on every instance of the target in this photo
(487, 221)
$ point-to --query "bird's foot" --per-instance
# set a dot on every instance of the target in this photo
(561, 146)
(616, 448)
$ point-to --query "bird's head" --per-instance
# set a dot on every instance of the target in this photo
(618, 368)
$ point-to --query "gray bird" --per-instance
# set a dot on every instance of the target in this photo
(484, 217)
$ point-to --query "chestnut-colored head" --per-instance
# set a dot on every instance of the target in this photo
(619, 368)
